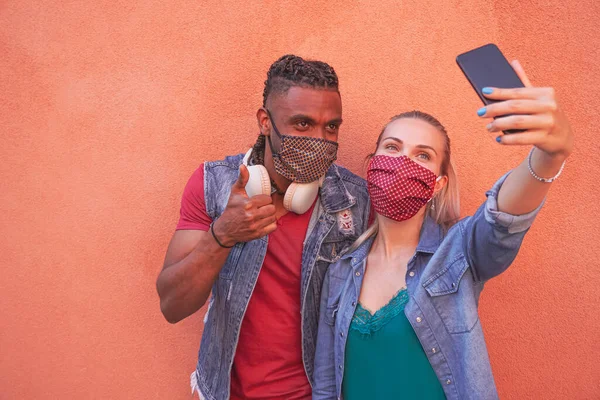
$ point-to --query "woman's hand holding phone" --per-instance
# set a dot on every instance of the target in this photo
(533, 109)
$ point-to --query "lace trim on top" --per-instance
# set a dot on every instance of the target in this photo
(367, 324)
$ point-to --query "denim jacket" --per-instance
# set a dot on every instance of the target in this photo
(338, 218)
(444, 279)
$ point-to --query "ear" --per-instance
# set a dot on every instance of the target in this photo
(439, 185)
(264, 123)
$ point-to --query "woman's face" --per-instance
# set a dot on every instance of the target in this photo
(415, 139)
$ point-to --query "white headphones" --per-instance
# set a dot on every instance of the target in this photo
(299, 197)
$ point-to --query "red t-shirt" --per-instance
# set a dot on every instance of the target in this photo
(268, 359)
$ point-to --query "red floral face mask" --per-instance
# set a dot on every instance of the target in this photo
(398, 186)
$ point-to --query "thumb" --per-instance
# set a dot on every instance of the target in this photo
(242, 180)
(521, 73)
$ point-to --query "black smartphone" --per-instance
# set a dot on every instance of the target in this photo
(486, 66)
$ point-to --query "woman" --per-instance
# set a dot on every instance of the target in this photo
(398, 315)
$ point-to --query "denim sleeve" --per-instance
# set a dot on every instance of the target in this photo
(492, 238)
(324, 371)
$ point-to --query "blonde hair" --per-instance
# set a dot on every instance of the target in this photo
(444, 208)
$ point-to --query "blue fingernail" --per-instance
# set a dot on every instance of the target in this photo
(499, 139)
(481, 111)
(487, 90)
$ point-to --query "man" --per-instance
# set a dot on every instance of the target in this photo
(264, 264)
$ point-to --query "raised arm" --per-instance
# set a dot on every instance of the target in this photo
(494, 234)
(195, 258)
(534, 109)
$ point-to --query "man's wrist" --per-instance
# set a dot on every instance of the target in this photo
(220, 237)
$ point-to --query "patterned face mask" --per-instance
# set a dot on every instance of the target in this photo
(398, 186)
(302, 159)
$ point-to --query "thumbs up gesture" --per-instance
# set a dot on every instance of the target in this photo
(245, 218)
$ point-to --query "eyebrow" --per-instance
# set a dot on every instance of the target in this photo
(419, 146)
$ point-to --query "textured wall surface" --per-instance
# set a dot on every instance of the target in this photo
(107, 107)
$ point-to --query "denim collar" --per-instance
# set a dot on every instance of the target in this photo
(334, 195)
(429, 241)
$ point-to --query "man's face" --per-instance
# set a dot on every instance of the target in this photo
(303, 111)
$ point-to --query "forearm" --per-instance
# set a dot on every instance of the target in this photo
(195, 257)
(184, 286)
(521, 193)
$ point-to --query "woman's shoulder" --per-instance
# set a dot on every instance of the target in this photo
(451, 243)
(458, 227)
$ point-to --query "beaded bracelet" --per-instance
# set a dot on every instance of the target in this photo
(539, 178)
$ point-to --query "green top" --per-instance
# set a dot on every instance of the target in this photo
(384, 358)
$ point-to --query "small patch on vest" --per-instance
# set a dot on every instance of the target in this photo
(345, 222)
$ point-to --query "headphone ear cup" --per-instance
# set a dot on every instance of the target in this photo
(300, 197)
(258, 182)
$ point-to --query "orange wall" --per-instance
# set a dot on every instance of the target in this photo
(107, 107)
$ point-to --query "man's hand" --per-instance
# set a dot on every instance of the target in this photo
(245, 218)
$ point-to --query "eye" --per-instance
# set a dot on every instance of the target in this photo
(424, 156)
(333, 127)
(302, 124)
(391, 147)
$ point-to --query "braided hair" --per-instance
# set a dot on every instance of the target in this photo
(291, 70)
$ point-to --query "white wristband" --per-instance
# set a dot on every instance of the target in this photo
(539, 178)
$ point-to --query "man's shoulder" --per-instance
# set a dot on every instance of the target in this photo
(221, 174)
(232, 162)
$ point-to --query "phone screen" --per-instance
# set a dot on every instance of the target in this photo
(486, 66)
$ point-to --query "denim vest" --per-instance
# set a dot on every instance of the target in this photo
(444, 280)
(340, 215)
